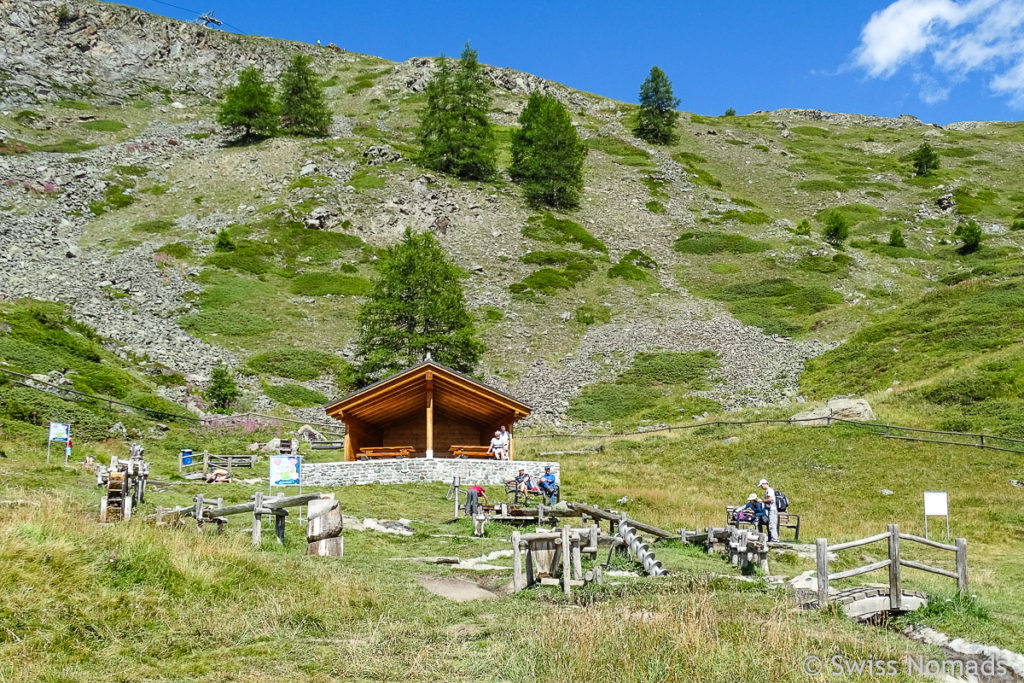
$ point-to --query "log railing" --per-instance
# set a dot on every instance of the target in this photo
(893, 563)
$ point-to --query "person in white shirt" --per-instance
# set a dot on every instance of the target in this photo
(495, 447)
(773, 511)
(506, 440)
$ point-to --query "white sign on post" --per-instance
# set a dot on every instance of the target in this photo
(62, 433)
(936, 504)
(286, 470)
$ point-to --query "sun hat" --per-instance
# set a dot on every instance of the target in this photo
(763, 481)
(752, 496)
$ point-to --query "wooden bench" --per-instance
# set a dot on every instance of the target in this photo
(787, 520)
(231, 461)
(469, 452)
(512, 488)
(385, 452)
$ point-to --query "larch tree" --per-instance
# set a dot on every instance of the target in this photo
(455, 133)
(547, 154)
(303, 104)
(249, 108)
(415, 307)
(656, 120)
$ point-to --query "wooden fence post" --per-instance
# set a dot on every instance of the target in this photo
(199, 512)
(961, 565)
(206, 464)
(517, 566)
(279, 519)
(257, 520)
(821, 551)
(895, 587)
(566, 560)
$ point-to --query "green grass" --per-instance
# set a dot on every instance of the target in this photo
(717, 242)
(853, 213)
(178, 250)
(366, 179)
(323, 283)
(104, 125)
(548, 228)
(294, 395)
(74, 104)
(747, 217)
(574, 268)
(654, 206)
(634, 265)
(293, 363)
(654, 388)
(114, 197)
(156, 225)
(941, 330)
(622, 152)
(775, 305)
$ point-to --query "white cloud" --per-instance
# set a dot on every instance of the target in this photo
(943, 41)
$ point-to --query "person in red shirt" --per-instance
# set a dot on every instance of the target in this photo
(473, 495)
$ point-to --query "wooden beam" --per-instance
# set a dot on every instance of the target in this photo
(430, 417)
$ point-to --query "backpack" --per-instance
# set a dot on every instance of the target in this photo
(781, 502)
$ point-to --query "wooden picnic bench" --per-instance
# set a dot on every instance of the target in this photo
(385, 452)
(787, 520)
(469, 452)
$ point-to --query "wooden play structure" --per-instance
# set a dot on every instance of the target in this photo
(426, 411)
(745, 548)
(259, 505)
(553, 558)
(124, 483)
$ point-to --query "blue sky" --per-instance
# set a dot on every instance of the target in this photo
(940, 60)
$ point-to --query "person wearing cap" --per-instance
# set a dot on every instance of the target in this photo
(757, 512)
(524, 482)
(773, 511)
(549, 485)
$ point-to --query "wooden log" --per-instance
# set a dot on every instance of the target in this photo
(821, 552)
(324, 520)
(577, 561)
(517, 567)
(269, 503)
(858, 542)
(895, 586)
(927, 541)
(961, 566)
(857, 571)
(328, 547)
(598, 513)
(931, 570)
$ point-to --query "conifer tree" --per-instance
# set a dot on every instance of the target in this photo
(415, 307)
(656, 119)
(547, 154)
(837, 228)
(302, 102)
(222, 390)
(926, 160)
(249, 107)
(455, 134)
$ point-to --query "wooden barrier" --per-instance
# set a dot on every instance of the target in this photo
(258, 507)
(893, 562)
(210, 461)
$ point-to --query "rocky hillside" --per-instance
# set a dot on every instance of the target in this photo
(115, 181)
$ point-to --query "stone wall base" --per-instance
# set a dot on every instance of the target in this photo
(411, 470)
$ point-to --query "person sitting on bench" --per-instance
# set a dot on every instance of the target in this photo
(524, 483)
(753, 511)
(473, 496)
(549, 485)
(497, 447)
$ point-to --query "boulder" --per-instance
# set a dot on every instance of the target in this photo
(855, 409)
(328, 547)
(324, 520)
(307, 433)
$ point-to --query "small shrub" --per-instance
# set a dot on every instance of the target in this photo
(730, 112)
(837, 228)
(132, 169)
(896, 238)
(715, 242)
(803, 228)
(654, 206)
(633, 266)
(819, 185)
(223, 242)
(970, 237)
(222, 390)
(593, 315)
(926, 160)
(1018, 224)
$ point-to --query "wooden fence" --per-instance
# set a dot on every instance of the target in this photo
(893, 563)
(209, 461)
(986, 441)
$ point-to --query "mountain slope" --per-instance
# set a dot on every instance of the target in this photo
(111, 155)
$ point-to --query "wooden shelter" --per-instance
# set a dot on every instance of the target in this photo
(426, 411)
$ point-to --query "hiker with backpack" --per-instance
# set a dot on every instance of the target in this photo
(776, 503)
(753, 511)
